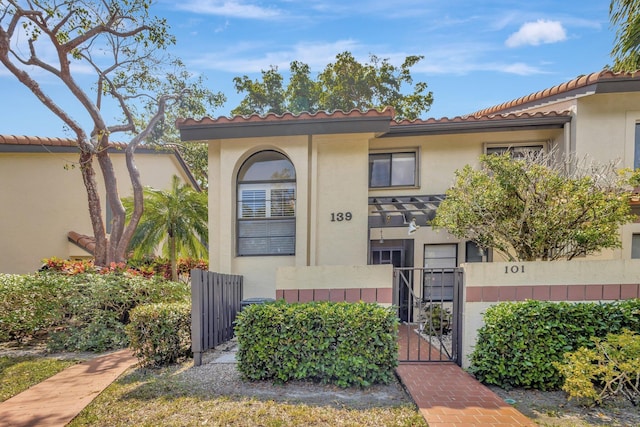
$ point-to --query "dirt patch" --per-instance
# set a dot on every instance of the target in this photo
(553, 408)
(218, 375)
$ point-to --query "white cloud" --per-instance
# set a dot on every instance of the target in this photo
(252, 57)
(520, 69)
(539, 32)
(229, 8)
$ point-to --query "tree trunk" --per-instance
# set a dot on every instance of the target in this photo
(95, 210)
(138, 203)
(172, 257)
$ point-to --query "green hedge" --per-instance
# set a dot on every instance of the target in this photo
(340, 343)
(520, 341)
(160, 334)
(30, 305)
(83, 312)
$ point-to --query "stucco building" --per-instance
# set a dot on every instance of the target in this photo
(325, 197)
(43, 201)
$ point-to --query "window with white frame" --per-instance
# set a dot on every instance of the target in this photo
(636, 147)
(516, 150)
(266, 205)
(393, 169)
(635, 246)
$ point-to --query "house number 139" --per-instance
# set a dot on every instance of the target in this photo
(341, 216)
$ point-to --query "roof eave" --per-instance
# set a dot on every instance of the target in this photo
(491, 125)
(330, 125)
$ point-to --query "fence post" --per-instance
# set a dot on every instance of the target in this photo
(196, 315)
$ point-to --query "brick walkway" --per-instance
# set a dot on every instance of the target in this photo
(59, 399)
(449, 397)
(446, 395)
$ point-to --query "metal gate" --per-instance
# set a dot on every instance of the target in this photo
(429, 302)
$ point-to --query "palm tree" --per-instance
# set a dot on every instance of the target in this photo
(176, 220)
(625, 16)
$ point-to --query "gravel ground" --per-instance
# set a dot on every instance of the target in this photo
(218, 375)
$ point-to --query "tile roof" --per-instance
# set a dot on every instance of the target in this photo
(567, 88)
(505, 114)
(486, 123)
(35, 140)
(272, 117)
(22, 143)
(88, 243)
(287, 124)
(45, 141)
(481, 118)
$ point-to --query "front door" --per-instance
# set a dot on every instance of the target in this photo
(439, 263)
(398, 253)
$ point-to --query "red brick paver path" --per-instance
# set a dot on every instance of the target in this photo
(447, 396)
(57, 400)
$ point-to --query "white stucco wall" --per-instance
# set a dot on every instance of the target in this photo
(567, 277)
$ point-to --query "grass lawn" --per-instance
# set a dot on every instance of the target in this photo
(19, 373)
(154, 397)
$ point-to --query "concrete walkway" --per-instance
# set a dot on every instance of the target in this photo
(57, 400)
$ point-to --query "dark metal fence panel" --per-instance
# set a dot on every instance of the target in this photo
(430, 306)
(215, 302)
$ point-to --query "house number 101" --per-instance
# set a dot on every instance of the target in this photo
(514, 269)
(341, 216)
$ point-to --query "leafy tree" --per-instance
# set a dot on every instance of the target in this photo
(124, 47)
(344, 85)
(527, 210)
(625, 15)
(176, 220)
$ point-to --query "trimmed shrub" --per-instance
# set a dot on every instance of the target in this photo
(104, 332)
(345, 344)
(520, 341)
(30, 305)
(81, 312)
(610, 369)
(100, 305)
(160, 334)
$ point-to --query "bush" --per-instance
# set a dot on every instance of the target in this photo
(81, 312)
(100, 305)
(520, 341)
(340, 343)
(436, 319)
(611, 368)
(30, 305)
(160, 334)
(102, 333)
(146, 267)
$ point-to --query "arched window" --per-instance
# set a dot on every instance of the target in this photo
(266, 205)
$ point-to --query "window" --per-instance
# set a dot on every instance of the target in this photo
(474, 253)
(440, 256)
(439, 260)
(636, 153)
(266, 205)
(392, 169)
(635, 246)
(517, 151)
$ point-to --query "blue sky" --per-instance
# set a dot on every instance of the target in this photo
(476, 54)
